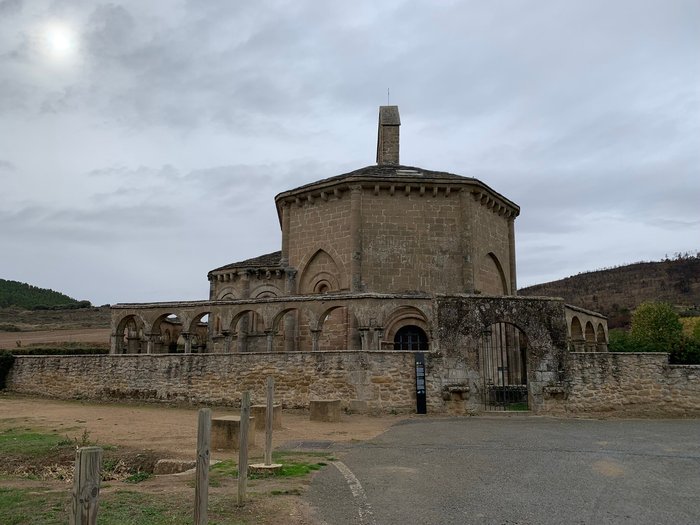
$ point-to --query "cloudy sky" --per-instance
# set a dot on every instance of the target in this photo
(142, 143)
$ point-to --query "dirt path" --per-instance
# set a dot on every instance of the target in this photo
(169, 430)
(82, 335)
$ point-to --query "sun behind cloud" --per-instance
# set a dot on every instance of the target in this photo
(60, 40)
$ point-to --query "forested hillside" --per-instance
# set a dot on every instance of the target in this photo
(615, 292)
(23, 295)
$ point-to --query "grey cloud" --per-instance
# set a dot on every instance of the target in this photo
(6, 165)
(11, 7)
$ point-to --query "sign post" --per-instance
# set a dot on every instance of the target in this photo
(421, 407)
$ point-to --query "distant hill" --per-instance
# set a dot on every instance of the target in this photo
(23, 295)
(615, 292)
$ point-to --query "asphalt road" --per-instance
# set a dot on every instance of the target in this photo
(517, 470)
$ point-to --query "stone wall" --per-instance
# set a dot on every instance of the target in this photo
(381, 381)
(627, 384)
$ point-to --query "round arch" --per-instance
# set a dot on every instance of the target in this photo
(576, 334)
(411, 337)
(405, 316)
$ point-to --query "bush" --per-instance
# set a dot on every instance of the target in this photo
(686, 353)
(619, 341)
(656, 327)
(6, 361)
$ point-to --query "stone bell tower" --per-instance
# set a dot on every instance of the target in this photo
(388, 135)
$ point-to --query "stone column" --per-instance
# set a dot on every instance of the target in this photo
(356, 238)
(378, 336)
(290, 284)
(315, 336)
(285, 235)
(466, 207)
(270, 339)
(364, 336)
(227, 341)
(245, 284)
(511, 259)
(114, 346)
(133, 343)
(188, 342)
(290, 331)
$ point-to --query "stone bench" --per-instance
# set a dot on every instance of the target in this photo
(327, 410)
(226, 432)
(259, 412)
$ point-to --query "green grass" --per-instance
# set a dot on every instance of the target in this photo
(35, 507)
(44, 507)
(30, 443)
(290, 467)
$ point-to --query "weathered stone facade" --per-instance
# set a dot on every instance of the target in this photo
(375, 264)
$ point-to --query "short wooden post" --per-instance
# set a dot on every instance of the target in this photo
(201, 482)
(86, 486)
(243, 451)
(268, 420)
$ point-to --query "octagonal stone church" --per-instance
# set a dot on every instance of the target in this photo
(386, 258)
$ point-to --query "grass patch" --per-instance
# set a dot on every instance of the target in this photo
(138, 477)
(46, 507)
(291, 467)
(35, 507)
(30, 443)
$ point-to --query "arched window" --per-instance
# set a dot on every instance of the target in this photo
(410, 337)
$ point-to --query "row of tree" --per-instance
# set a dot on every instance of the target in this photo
(656, 327)
(23, 295)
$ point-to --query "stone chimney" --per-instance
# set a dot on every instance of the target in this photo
(388, 135)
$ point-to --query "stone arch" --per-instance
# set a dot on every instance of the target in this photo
(503, 365)
(601, 338)
(590, 337)
(322, 266)
(199, 330)
(286, 337)
(576, 335)
(242, 338)
(226, 294)
(491, 279)
(331, 329)
(129, 335)
(169, 321)
(404, 316)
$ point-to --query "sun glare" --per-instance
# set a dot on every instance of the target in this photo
(60, 41)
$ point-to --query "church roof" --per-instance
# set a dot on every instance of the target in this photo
(269, 260)
(388, 172)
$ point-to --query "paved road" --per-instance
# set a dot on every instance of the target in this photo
(517, 470)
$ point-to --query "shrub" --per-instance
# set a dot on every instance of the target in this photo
(619, 341)
(6, 360)
(686, 353)
(656, 327)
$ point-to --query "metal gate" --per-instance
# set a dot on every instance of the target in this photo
(503, 362)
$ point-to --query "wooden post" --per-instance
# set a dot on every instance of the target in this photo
(268, 420)
(86, 486)
(243, 451)
(201, 482)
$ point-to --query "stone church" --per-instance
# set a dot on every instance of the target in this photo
(386, 258)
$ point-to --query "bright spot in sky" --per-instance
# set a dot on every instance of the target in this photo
(60, 41)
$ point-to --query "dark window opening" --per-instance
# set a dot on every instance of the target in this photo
(411, 338)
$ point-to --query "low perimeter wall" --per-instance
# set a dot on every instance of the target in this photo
(628, 384)
(375, 381)
(619, 384)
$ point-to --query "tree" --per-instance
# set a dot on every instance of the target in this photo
(656, 327)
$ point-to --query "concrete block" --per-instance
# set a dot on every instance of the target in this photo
(226, 432)
(327, 410)
(259, 412)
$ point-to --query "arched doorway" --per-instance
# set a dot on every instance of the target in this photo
(503, 363)
(411, 337)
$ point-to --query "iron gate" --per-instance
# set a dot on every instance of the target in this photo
(503, 364)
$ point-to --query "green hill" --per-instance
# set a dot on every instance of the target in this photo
(23, 295)
(616, 292)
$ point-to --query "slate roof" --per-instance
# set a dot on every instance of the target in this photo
(388, 172)
(269, 260)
